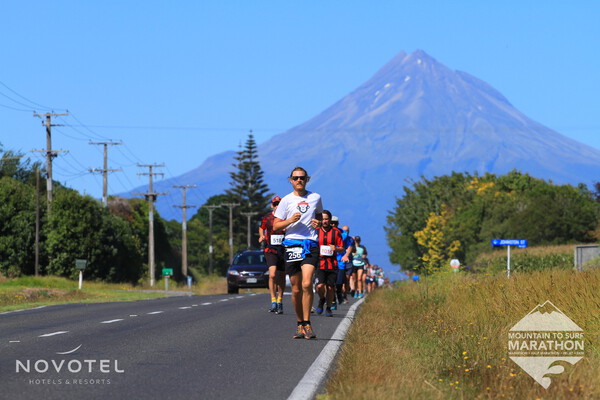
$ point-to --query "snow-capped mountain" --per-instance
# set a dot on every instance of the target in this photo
(415, 117)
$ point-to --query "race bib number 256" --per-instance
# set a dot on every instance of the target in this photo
(293, 254)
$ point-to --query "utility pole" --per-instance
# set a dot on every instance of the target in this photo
(231, 206)
(249, 215)
(184, 208)
(37, 222)
(210, 236)
(151, 198)
(105, 170)
(50, 154)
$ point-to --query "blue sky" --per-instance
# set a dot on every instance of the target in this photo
(180, 81)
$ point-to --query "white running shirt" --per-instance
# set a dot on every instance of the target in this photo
(308, 205)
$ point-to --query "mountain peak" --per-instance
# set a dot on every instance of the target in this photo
(414, 118)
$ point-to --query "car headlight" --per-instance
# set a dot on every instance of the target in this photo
(233, 272)
(266, 273)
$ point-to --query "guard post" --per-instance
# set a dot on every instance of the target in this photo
(80, 265)
(520, 243)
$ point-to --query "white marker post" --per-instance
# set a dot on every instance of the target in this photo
(521, 243)
(508, 261)
(80, 265)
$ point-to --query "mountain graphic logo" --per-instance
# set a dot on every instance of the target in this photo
(544, 338)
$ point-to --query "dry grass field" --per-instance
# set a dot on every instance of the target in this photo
(446, 337)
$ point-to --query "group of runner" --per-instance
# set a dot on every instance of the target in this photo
(303, 240)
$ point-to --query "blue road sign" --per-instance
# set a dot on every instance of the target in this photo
(521, 243)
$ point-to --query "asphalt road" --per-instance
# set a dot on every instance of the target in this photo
(196, 347)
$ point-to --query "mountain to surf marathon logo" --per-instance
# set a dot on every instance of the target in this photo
(544, 338)
(62, 371)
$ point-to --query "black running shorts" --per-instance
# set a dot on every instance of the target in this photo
(292, 268)
(327, 276)
(276, 258)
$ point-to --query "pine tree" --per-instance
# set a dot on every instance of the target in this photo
(249, 189)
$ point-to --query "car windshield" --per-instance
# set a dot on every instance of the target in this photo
(249, 259)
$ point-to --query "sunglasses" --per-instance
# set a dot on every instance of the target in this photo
(275, 203)
(302, 178)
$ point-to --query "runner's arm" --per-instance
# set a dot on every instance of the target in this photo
(279, 224)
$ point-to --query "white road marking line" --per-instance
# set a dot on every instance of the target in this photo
(14, 341)
(194, 305)
(224, 300)
(15, 311)
(133, 315)
(184, 308)
(111, 321)
(310, 382)
(240, 297)
(53, 333)
(155, 312)
(206, 304)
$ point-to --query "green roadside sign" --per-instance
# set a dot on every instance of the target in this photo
(167, 271)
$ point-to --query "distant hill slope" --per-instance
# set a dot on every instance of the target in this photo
(414, 117)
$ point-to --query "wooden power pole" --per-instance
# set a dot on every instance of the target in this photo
(50, 154)
(105, 170)
(249, 215)
(210, 236)
(231, 206)
(184, 208)
(151, 198)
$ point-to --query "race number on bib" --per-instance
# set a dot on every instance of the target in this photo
(293, 254)
(276, 240)
(326, 251)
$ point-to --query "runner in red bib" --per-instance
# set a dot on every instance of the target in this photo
(330, 243)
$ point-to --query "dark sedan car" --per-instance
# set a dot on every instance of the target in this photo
(248, 270)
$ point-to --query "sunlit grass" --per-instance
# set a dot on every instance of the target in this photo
(31, 291)
(446, 338)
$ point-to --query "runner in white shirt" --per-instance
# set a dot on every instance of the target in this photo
(299, 213)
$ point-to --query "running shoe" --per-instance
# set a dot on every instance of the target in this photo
(361, 295)
(319, 308)
(299, 333)
(279, 308)
(356, 295)
(308, 332)
(328, 312)
(334, 306)
(273, 307)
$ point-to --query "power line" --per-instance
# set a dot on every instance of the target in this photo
(30, 101)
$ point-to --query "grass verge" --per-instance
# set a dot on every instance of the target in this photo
(447, 338)
(29, 291)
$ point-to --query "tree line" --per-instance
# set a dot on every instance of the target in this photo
(114, 240)
(457, 215)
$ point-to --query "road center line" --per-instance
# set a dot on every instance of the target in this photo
(205, 304)
(111, 321)
(155, 312)
(14, 341)
(224, 300)
(53, 333)
(184, 308)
